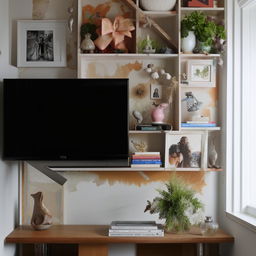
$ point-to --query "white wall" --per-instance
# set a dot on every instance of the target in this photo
(8, 172)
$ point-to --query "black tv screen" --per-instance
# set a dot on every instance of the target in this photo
(65, 119)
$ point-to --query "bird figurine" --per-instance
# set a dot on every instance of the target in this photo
(41, 218)
(152, 207)
(138, 116)
(212, 156)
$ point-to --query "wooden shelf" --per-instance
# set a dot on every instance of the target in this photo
(160, 14)
(145, 132)
(200, 128)
(198, 55)
(112, 169)
(210, 11)
(127, 55)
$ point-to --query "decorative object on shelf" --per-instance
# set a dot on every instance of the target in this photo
(200, 3)
(114, 33)
(184, 78)
(208, 227)
(170, 90)
(157, 114)
(201, 73)
(160, 5)
(41, 43)
(188, 43)
(88, 28)
(71, 18)
(183, 150)
(156, 74)
(139, 146)
(138, 116)
(155, 92)
(148, 46)
(192, 103)
(87, 45)
(206, 30)
(41, 218)
(212, 155)
(178, 205)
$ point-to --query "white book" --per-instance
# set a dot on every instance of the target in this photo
(160, 234)
(147, 153)
(133, 225)
(150, 231)
(145, 165)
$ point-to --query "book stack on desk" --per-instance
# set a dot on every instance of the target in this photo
(146, 159)
(135, 228)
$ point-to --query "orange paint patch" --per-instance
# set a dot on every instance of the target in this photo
(194, 179)
(213, 92)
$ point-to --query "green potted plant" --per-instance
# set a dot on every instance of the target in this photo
(177, 205)
(207, 32)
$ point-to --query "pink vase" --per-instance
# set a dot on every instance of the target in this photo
(157, 114)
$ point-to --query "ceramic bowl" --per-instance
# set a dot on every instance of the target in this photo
(157, 5)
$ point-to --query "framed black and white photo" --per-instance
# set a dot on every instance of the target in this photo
(156, 92)
(41, 43)
(185, 151)
(201, 73)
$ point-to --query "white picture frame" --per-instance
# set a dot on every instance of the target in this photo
(201, 73)
(41, 43)
(176, 160)
(156, 92)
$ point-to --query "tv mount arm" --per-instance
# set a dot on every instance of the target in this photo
(43, 168)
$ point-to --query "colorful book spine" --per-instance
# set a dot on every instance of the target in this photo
(145, 165)
(147, 153)
(148, 161)
(198, 125)
(146, 157)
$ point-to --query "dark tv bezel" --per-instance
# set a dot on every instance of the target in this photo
(61, 157)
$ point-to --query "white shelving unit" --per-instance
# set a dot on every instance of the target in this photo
(170, 22)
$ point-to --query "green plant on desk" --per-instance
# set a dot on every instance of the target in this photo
(177, 205)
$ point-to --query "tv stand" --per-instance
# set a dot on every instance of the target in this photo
(94, 240)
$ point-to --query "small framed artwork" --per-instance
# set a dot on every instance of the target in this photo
(200, 3)
(41, 43)
(156, 92)
(201, 73)
(184, 151)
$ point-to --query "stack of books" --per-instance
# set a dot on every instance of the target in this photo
(146, 159)
(202, 124)
(135, 228)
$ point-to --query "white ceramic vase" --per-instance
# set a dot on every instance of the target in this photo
(157, 5)
(188, 43)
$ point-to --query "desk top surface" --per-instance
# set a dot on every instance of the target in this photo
(79, 234)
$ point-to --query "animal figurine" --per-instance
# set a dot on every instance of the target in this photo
(157, 114)
(212, 156)
(41, 218)
(138, 116)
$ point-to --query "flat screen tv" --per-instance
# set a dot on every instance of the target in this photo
(65, 119)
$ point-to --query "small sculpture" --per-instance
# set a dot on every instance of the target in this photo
(212, 156)
(148, 47)
(157, 74)
(70, 19)
(41, 218)
(192, 103)
(157, 114)
(139, 146)
(87, 45)
(138, 116)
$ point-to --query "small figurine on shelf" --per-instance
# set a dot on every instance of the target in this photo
(139, 146)
(87, 45)
(71, 18)
(212, 156)
(138, 116)
(157, 114)
(41, 218)
(148, 47)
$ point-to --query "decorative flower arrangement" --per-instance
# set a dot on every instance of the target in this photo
(177, 205)
(207, 31)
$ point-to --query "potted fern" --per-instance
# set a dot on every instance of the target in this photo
(206, 30)
(177, 205)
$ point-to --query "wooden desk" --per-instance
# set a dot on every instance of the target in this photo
(94, 240)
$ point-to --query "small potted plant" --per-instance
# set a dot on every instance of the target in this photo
(177, 205)
(206, 30)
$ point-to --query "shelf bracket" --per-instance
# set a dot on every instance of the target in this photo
(160, 31)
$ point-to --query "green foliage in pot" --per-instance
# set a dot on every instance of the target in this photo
(204, 27)
(177, 205)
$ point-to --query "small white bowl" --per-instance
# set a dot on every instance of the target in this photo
(157, 5)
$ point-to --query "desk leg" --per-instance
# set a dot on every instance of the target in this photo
(92, 250)
(40, 249)
(200, 249)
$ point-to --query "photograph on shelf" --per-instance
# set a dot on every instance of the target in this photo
(184, 150)
(201, 73)
(155, 92)
(41, 43)
(200, 3)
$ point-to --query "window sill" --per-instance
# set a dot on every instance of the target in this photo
(243, 219)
